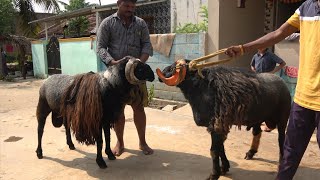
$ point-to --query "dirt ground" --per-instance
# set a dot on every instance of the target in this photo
(181, 148)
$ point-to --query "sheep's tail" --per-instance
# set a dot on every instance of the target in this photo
(82, 107)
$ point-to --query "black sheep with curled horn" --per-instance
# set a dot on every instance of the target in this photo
(89, 102)
(227, 96)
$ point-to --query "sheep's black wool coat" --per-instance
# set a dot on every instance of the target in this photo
(232, 96)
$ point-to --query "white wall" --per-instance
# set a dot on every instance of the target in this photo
(229, 25)
(288, 51)
(186, 11)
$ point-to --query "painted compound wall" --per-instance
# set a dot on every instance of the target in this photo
(39, 58)
(78, 55)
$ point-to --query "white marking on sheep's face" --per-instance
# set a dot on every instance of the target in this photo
(107, 75)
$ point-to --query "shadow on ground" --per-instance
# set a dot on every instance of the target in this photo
(164, 165)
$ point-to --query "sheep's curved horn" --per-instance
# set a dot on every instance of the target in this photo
(129, 72)
(177, 77)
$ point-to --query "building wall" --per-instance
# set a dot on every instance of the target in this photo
(185, 46)
(78, 56)
(186, 11)
(39, 58)
(288, 51)
(229, 25)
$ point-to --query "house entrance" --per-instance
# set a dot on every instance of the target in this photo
(53, 56)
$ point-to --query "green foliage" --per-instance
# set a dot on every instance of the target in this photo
(195, 28)
(76, 4)
(6, 17)
(27, 14)
(151, 93)
(78, 25)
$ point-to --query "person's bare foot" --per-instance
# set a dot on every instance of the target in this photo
(146, 149)
(118, 149)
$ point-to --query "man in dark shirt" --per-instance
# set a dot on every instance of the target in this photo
(119, 35)
(266, 61)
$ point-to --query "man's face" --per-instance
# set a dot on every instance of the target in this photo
(262, 50)
(126, 8)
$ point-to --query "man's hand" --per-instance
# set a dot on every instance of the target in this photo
(114, 62)
(234, 51)
(253, 69)
(144, 57)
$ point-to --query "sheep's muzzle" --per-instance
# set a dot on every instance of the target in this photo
(177, 77)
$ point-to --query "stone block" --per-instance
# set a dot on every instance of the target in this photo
(170, 108)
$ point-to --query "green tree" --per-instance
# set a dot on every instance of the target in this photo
(78, 25)
(27, 14)
(194, 28)
(6, 17)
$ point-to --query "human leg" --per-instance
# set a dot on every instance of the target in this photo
(119, 129)
(139, 117)
(299, 131)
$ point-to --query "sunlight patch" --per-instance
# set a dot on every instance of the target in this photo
(166, 129)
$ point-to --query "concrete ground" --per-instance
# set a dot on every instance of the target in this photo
(181, 148)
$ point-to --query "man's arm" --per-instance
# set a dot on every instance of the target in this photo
(277, 68)
(144, 57)
(265, 41)
(102, 44)
(147, 49)
(279, 61)
(252, 64)
(253, 68)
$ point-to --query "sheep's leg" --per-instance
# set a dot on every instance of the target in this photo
(57, 120)
(108, 151)
(281, 136)
(99, 158)
(68, 135)
(216, 147)
(225, 165)
(256, 132)
(43, 111)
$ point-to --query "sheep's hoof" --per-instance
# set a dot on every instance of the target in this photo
(101, 163)
(213, 177)
(250, 154)
(39, 154)
(224, 170)
(71, 147)
(111, 156)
